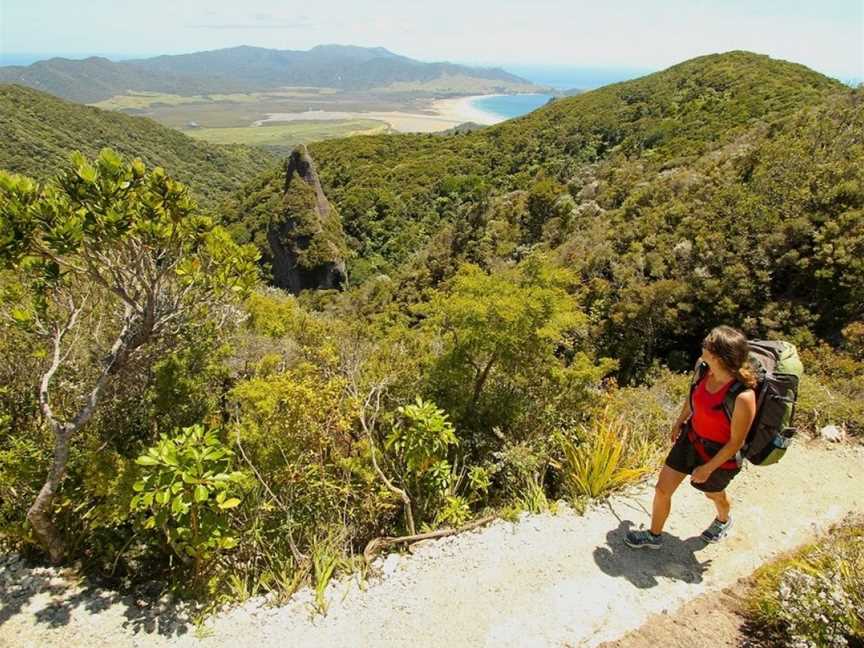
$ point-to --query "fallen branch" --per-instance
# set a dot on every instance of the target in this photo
(377, 544)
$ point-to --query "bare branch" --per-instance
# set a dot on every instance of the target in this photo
(116, 357)
(56, 361)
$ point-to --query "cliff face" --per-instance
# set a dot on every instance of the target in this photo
(307, 244)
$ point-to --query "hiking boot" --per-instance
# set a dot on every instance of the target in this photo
(643, 538)
(717, 531)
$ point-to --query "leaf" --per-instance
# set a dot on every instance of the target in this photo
(229, 503)
(150, 523)
(20, 315)
(228, 542)
(177, 505)
(201, 493)
(138, 486)
(146, 460)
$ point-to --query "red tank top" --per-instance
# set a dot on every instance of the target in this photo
(709, 419)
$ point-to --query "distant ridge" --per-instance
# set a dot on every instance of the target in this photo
(240, 69)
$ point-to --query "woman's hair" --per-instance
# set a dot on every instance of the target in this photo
(730, 346)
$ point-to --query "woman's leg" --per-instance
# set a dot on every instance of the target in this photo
(667, 484)
(722, 503)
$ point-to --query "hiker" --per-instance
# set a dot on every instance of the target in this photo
(706, 442)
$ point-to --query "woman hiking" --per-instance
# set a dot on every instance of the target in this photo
(706, 442)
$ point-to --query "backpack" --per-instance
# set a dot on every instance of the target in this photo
(778, 370)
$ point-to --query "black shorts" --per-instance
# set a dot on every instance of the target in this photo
(683, 458)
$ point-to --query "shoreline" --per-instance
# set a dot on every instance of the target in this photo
(443, 114)
(464, 110)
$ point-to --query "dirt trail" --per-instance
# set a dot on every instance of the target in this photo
(549, 580)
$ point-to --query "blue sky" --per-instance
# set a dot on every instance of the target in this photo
(826, 35)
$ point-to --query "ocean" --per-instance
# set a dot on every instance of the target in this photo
(559, 77)
(567, 77)
(509, 106)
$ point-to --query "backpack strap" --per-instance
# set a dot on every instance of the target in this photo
(729, 402)
(699, 372)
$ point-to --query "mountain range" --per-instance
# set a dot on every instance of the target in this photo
(244, 69)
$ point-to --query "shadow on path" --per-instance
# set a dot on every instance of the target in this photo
(675, 560)
(142, 609)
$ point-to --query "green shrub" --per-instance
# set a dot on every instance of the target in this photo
(187, 484)
(420, 449)
(601, 459)
(816, 595)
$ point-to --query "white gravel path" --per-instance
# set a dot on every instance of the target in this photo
(549, 580)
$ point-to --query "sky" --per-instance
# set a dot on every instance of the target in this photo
(826, 35)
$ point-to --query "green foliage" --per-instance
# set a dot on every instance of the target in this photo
(832, 390)
(114, 206)
(647, 410)
(542, 206)
(325, 560)
(113, 264)
(422, 436)
(187, 484)
(421, 447)
(526, 263)
(600, 460)
(816, 595)
(511, 349)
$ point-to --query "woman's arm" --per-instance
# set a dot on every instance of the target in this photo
(682, 417)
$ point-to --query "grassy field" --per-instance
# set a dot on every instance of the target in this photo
(140, 100)
(301, 132)
(241, 110)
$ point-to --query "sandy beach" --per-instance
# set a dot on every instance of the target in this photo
(441, 115)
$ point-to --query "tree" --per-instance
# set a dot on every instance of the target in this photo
(114, 259)
(510, 356)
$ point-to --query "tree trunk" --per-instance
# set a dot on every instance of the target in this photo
(39, 514)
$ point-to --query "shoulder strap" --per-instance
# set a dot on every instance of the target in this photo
(698, 374)
(729, 401)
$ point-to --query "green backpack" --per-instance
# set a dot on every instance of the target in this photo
(778, 370)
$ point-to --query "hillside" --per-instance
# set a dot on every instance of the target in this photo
(39, 131)
(666, 119)
(242, 69)
(655, 191)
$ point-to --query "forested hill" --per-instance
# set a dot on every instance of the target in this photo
(392, 190)
(241, 69)
(726, 188)
(39, 132)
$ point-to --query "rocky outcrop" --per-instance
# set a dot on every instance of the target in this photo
(307, 244)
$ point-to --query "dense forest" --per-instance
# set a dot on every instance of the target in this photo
(522, 306)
